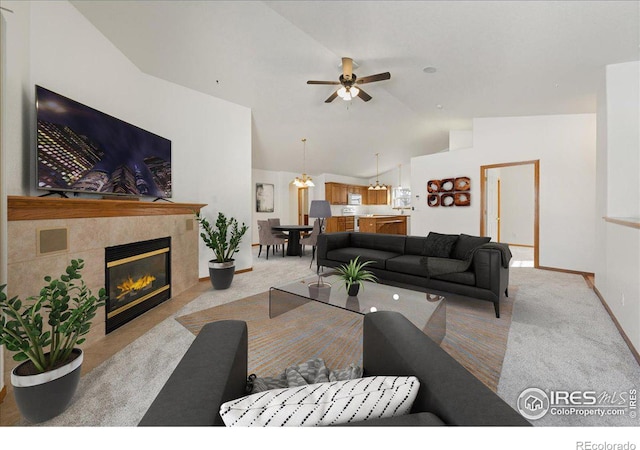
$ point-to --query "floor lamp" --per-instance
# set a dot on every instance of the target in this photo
(320, 209)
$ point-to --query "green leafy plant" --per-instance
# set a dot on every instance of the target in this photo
(355, 272)
(223, 238)
(69, 307)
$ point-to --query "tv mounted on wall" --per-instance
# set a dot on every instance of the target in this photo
(83, 150)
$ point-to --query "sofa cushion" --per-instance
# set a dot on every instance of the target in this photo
(324, 403)
(414, 245)
(468, 277)
(376, 241)
(410, 264)
(466, 244)
(346, 254)
(439, 245)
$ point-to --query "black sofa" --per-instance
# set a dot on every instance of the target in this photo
(468, 266)
(214, 371)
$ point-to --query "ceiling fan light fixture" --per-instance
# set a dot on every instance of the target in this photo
(354, 91)
(342, 92)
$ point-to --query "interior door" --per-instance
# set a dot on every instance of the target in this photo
(303, 206)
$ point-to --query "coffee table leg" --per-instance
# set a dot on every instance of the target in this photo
(436, 327)
(281, 302)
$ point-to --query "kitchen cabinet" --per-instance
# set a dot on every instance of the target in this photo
(383, 224)
(339, 223)
(335, 224)
(336, 193)
(380, 197)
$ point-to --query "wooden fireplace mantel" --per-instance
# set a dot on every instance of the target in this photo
(42, 208)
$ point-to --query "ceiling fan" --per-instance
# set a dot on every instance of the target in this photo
(349, 80)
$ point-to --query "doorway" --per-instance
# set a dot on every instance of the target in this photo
(303, 206)
(510, 210)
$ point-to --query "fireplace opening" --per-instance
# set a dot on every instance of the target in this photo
(137, 278)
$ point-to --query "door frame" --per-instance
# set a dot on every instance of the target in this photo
(302, 192)
(536, 188)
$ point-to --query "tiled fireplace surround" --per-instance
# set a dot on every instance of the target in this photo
(92, 226)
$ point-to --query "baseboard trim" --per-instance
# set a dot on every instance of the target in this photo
(575, 272)
(3, 393)
(626, 339)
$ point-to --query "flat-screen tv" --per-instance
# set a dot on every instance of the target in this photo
(83, 150)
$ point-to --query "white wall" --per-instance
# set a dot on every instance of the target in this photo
(211, 138)
(623, 140)
(618, 247)
(285, 202)
(517, 209)
(565, 146)
(459, 139)
(3, 187)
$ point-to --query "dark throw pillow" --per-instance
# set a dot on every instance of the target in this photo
(466, 245)
(439, 245)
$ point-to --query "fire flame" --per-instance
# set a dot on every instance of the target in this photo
(130, 286)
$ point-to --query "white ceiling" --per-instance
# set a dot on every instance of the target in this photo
(498, 58)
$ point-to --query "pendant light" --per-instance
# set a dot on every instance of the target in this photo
(304, 180)
(377, 186)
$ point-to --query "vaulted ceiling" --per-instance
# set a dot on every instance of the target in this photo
(491, 58)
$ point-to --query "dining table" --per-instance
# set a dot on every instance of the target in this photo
(293, 231)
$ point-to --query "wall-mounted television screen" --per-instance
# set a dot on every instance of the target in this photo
(81, 149)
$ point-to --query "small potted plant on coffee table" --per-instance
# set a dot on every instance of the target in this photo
(44, 332)
(354, 275)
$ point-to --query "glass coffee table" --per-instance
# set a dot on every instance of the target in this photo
(426, 311)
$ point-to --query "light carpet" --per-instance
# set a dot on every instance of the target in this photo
(560, 338)
(474, 337)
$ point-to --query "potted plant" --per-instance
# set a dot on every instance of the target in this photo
(354, 275)
(44, 332)
(223, 238)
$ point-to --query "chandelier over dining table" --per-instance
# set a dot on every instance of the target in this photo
(304, 180)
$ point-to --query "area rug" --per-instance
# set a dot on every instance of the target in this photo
(474, 336)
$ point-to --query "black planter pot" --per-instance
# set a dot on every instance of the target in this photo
(353, 289)
(221, 274)
(44, 396)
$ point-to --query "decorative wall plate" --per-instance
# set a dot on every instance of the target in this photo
(433, 200)
(447, 200)
(447, 185)
(462, 199)
(433, 186)
(462, 184)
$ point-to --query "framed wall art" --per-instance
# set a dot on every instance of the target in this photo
(264, 197)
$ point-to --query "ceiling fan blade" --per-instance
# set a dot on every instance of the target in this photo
(347, 68)
(332, 97)
(322, 82)
(364, 96)
(372, 78)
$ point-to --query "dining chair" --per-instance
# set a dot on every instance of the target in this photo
(275, 222)
(311, 239)
(266, 237)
